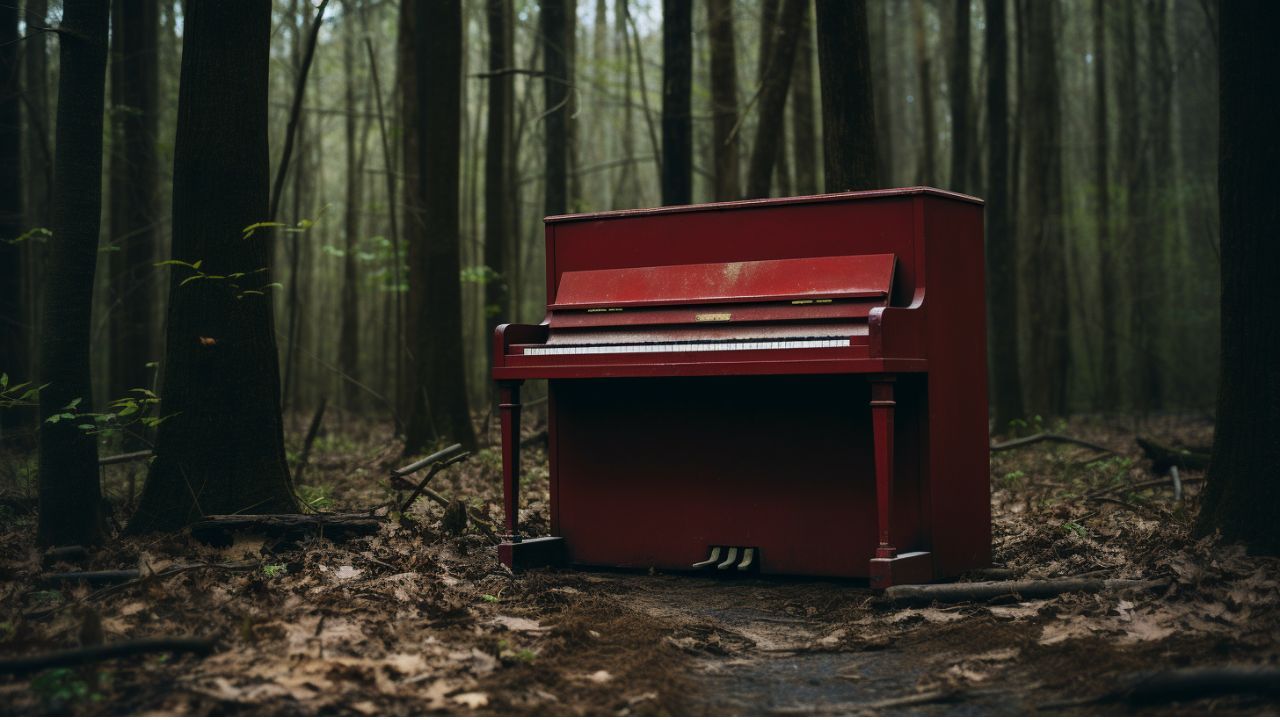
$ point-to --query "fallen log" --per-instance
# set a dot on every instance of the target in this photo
(1163, 457)
(1191, 683)
(97, 578)
(98, 653)
(1024, 589)
(219, 529)
(1050, 437)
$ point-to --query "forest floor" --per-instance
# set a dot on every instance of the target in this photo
(416, 620)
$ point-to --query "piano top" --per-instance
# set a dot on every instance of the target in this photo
(765, 202)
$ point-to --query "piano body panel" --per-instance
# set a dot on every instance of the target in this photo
(652, 473)
(658, 455)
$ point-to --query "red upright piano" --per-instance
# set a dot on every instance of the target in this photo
(793, 386)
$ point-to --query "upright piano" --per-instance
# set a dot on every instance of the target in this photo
(791, 386)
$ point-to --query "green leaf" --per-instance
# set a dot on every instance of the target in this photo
(4, 380)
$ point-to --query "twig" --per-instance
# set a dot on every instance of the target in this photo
(98, 653)
(1190, 683)
(1177, 482)
(434, 471)
(291, 129)
(1027, 589)
(312, 431)
(417, 465)
(166, 573)
(481, 525)
(1049, 437)
(125, 457)
(93, 577)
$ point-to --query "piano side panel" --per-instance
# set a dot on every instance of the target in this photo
(716, 235)
(652, 472)
(958, 441)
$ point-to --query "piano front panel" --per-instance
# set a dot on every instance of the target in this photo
(651, 473)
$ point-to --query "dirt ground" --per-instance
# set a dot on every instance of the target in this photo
(416, 620)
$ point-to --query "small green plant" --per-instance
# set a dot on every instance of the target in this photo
(62, 686)
(136, 408)
(42, 597)
(490, 598)
(523, 655)
(1075, 527)
(274, 570)
(1015, 480)
(316, 497)
(22, 394)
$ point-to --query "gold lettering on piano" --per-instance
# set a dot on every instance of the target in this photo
(712, 317)
(822, 301)
(801, 302)
(590, 310)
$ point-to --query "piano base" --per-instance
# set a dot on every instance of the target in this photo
(910, 568)
(532, 553)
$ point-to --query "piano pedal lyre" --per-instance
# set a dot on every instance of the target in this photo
(714, 559)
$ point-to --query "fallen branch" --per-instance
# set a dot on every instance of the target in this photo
(98, 653)
(218, 529)
(434, 471)
(988, 591)
(1190, 683)
(480, 524)
(125, 457)
(312, 430)
(92, 577)
(1050, 437)
(417, 465)
(1163, 458)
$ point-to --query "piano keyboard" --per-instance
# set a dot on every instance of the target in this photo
(687, 347)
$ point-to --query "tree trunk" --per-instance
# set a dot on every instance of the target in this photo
(1002, 248)
(677, 89)
(1158, 234)
(498, 225)
(880, 63)
(959, 92)
(220, 447)
(13, 320)
(349, 333)
(1044, 212)
(134, 198)
(1108, 260)
(70, 498)
(1128, 104)
(804, 131)
(773, 98)
(848, 112)
(439, 412)
(724, 100)
(1242, 497)
(39, 193)
(555, 65)
(924, 94)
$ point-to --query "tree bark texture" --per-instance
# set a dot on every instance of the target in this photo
(70, 498)
(848, 111)
(134, 198)
(804, 130)
(349, 331)
(439, 409)
(14, 323)
(769, 139)
(726, 184)
(1002, 247)
(959, 96)
(498, 215)
(1046, 241)
(677, 98)
(924, 96)
(1242, 497)
(220, 446)
(1109, 280)
(555, 88)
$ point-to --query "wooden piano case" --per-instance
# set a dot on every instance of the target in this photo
(801, 382)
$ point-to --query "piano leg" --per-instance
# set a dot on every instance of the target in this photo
(889, 567)
(514, 551)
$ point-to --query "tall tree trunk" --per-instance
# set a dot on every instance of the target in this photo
(349, 334)
(849, 148)
(960, 170)
(1044, 211)
(773, 97)
(924, 94)
(39, 192)
(220, 447)
(70, 498)
(677, 89)
(880, 63)
(498, 222)
(439, 411)
(804, 131)
(1108, 260)
(627, 191)
(724, 100)
(134, 193)
(555, 64)
(1242, 497)
(1158, 234)
(14, 325)
(1002, 249)
(1128, 104)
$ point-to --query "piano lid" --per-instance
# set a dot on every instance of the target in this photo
(843, 277)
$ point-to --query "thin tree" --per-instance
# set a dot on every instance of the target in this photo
(959, 96)
(850, 156)
(349, 329)
(726, 184)
(1108, 260)
(220, 445)
(924, 74)
(498, 214)
(439, 401)
(677, 90)
(1242, 497)
(13, 320)
(135, 27)
(804, 124)
(1046, 251)
(70, 498)
(1002, 248)
(555, 87)
(773, 98)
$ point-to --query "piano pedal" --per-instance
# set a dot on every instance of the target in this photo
(729, 561)
(714, 559)
(748, 555)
